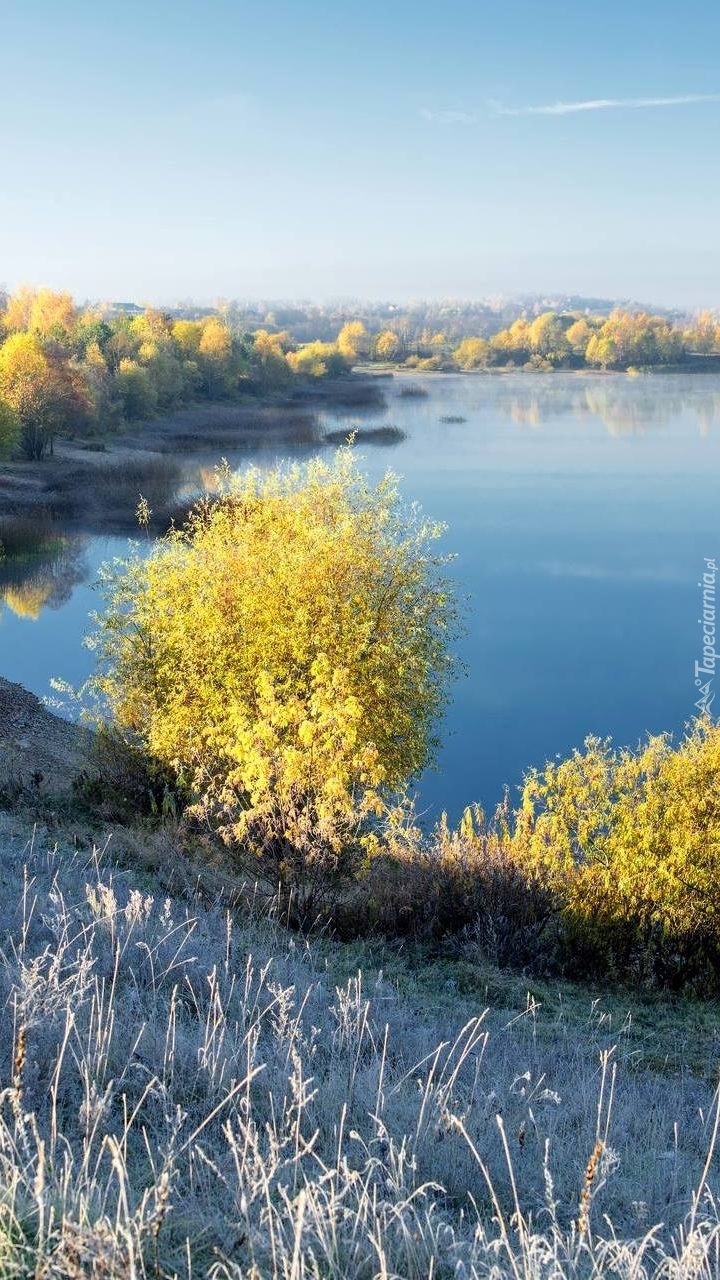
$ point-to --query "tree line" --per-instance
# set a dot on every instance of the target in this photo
(622, 340)
(65, 369)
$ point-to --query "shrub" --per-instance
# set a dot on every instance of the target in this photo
(630, 843)
(286, 653)
(461, 883)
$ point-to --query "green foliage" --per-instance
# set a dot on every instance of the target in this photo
(138, 394)
(9, 429)
(287, 654)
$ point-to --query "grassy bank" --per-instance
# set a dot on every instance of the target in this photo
(189, 1094)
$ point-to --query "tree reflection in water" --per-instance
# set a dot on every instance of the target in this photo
(625, 405)
(44, 576)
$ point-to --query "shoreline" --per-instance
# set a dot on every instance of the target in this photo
(92, 484)
(78, 488)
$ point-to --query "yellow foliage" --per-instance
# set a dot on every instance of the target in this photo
(52, 312)
(39, 311)
(631, 835)
(471, 353)
(27, 599)
(317, 359)
(387, 345)
(286, 653)
(188, 334)
(215, 342)
(23, 367)
(578, 336)
(353, 340)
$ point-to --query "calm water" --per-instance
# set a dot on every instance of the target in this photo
(580, 509)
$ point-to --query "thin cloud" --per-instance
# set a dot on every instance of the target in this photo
(446, 117)
(604, 104)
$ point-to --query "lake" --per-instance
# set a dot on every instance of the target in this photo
(580, 509)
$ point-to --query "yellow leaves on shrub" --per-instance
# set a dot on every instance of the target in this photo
(630, 833)
(287, 651)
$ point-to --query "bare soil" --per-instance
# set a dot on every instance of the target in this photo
(39, 752)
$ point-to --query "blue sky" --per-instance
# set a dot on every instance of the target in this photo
(165, 149)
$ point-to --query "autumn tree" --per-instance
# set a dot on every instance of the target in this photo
(353, 341)
(577, 336)
(53, 315)
(703, 336)
(286, 654)
(18, 306)
(388, 345)
(40, 311)
(164, 370)
(267, 357)
(471, 353)
(547, 337)
(215, 358)
(104, 403)
(513, 345)
(44, 390)
(627, 339)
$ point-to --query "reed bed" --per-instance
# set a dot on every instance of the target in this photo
(28, 535)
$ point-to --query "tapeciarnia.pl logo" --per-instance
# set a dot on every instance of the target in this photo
(707, 622)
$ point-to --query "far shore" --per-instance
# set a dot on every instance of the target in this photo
(693, 365)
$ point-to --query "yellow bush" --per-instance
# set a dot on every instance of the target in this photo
(631, 837)
(286, 654)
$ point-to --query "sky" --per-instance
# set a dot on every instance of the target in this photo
(160, 150)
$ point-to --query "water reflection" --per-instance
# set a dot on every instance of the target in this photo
(624, 405)
(44, 579)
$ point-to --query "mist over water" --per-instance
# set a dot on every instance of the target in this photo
(580, 509)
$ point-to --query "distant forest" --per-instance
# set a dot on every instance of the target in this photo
(68, 369)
